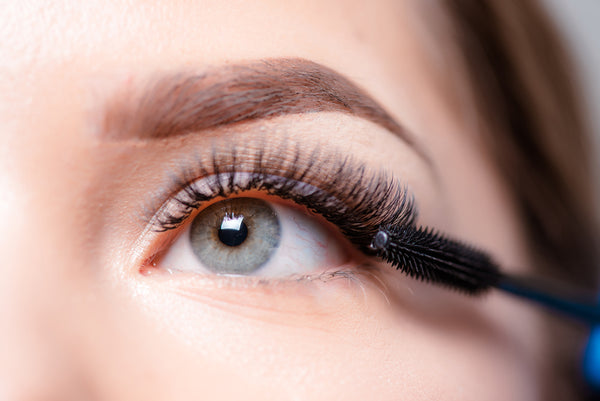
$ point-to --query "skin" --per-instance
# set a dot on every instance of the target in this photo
(79, 321)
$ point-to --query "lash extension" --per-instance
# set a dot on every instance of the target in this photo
(339, 189)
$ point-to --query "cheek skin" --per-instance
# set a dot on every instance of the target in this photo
(338, 338)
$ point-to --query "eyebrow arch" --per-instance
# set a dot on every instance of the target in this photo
(182, 103)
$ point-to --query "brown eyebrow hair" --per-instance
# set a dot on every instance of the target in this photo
(182, 103)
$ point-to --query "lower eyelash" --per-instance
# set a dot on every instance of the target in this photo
(338, 188)
(362, 276)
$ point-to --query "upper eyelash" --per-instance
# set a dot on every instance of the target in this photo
(338, 188)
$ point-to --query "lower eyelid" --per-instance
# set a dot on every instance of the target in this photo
(314, 294)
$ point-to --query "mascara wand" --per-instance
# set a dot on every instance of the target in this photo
(429, 256)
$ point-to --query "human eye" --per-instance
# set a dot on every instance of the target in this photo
(252, 212)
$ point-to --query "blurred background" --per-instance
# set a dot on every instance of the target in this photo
(579, 21)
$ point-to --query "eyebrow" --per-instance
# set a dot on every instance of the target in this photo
(183, 103)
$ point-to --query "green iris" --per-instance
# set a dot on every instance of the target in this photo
(235, 236)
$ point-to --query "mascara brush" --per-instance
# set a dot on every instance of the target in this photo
(424, 254)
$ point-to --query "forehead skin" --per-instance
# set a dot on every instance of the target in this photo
(71, 327)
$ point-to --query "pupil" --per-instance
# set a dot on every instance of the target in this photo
(233, 231)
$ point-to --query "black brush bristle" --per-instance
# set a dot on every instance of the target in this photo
(429, 256)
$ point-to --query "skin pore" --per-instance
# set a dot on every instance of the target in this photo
(79, 320)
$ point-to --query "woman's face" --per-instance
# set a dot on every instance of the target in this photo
(95, 303)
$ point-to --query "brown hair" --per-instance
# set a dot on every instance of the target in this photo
(522, 88)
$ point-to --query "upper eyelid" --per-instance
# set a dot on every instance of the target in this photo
(369, 199)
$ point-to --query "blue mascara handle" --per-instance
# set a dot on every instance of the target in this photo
(587, 312)
(591, 359)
